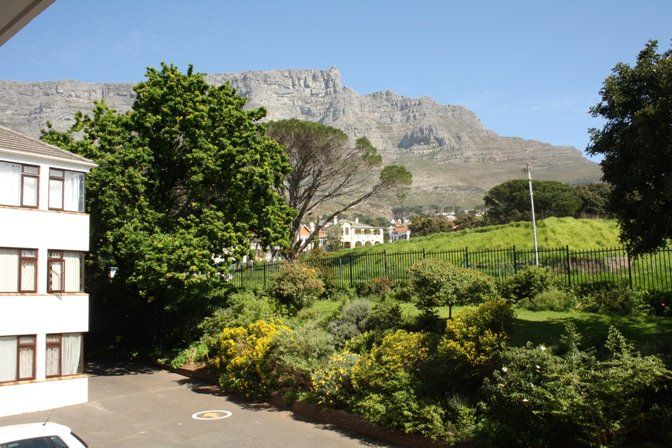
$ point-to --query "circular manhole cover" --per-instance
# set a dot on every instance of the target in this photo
(216, 414)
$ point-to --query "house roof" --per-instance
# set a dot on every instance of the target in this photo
(14, 141)
(400, 229)
(304, 232)
(356, 225)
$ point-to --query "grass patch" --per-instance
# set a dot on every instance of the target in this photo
(649, 334)
(581, 234)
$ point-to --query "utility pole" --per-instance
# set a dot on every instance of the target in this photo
(528, 170)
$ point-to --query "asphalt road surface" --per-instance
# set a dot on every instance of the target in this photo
(131, 406)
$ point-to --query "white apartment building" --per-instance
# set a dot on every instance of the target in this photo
(355, 234)
(44, 311)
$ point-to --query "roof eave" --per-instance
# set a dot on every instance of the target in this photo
(87, 163)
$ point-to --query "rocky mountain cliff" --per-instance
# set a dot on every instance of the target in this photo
(454, 159)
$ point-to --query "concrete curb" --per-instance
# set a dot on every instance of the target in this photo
(339, 419)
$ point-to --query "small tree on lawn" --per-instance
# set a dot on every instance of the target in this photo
(439, 283)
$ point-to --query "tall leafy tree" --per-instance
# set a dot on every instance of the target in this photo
(636, 143)
(422, 225)
(330, 174)
(510, 201)
(594, 199)
(185, 180)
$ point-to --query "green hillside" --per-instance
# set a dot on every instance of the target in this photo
(551, 232)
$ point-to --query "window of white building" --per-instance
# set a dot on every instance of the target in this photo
(17, 358)
(19, 184)
(65, 271)
(66, 190)
(18, 270)
(64, 354)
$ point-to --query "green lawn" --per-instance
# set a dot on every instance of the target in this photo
(649, 334)
(581, 234)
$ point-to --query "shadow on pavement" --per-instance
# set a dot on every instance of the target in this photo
(201, 387)
(118, 369)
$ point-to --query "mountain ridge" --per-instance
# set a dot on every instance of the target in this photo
(454, 158)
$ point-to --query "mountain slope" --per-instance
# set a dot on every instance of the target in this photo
(453, 157)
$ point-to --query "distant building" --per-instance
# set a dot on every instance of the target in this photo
(354, 234)
(399, 232)
(318, 242)
(44, 311)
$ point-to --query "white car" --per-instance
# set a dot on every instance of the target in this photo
(39, 435)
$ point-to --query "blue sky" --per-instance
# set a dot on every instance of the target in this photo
(527, 68)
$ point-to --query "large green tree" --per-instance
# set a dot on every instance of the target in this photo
(510, 201)
(636, 143)
(422, 225)
(185, 180)
(594, 199)
(330, 174)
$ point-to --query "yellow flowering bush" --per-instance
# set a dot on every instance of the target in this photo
(242, 351)
(387, 386)
(392, 364)
(475, 339)
(330, 385)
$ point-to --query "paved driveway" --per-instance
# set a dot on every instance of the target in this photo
(141, 407)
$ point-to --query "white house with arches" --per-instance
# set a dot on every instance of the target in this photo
(44, 311)
(355, 234)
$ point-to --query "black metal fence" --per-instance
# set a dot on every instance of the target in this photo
(652, 272)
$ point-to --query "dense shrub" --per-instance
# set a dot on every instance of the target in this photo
(475, 339)
(293, 356)
(243, 308)
(422, 225)
(385, 381)
(404, 411)
(438, 282)
(339, 293)
(331, 384)
(542, 399)
(297, 286)
(314, 260)
(376, 287)
(553, 299)
(364, 342)
(528, 283)
(660, 303)
(351, 320)
(386, 315)
(241, 355)
(608, 298)
(195, 353)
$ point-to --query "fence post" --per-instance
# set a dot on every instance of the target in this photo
(351, 284)
(340, 271)
(385, 262)
(264, 275)
(629, 269)
(515, 260)
(423, 253)
(569, 267)
(466, 257)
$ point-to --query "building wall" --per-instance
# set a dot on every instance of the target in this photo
(353, 238)
(42, 395)
(41, 313)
